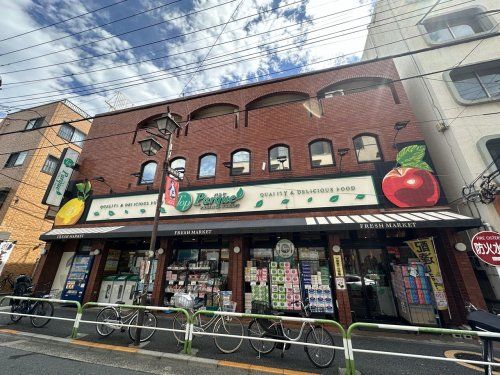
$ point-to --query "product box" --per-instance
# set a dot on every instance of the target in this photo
(274, 264)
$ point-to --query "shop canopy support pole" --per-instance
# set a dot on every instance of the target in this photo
(152, 244)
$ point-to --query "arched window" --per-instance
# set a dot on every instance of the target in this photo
(321, 152)
(207, 165)
(148, 172)
(367, 148)
(493, 147)
(240, 162)
(279, 158)
(213, 110)
(360, 84)
(179, 164)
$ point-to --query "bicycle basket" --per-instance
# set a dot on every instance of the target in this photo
(183, 300)
(229, 306)
(259, 307)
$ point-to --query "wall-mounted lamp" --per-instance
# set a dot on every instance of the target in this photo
(342, 152)
(336, 248)
(398, 126)
(282, 159)
(103, 180)
(227, 164)
(460, 246)
(96, 252)
(44, 251)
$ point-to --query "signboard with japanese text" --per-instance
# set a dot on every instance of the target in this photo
(425, 251)
(486, 246)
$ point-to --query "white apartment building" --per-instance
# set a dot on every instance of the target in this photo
(456, 96)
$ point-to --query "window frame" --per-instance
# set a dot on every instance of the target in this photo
(56, 160)
(249, 162)
(17, 157)
(269, 158)
(143, 166)
(466, 11)
(73, 132)
(466, 69)
(334, 162)
(37, 123)
(199, 166)
(486, 154)
(378, 146)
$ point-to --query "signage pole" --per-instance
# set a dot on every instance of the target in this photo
(152, 245)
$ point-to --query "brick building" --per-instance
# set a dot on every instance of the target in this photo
(287, 193)
(27, 162)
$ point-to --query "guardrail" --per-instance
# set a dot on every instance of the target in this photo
(351, 368)
(332, 323)
(186, 348)
(52, 300)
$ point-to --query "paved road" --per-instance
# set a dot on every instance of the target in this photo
(294, 359)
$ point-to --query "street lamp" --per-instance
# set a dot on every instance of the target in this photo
(342, 152)
(150, 146)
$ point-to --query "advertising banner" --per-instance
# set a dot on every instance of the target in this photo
(171, 191)
(425, 250)
(60, 179)
(6, 248)
(486, 246)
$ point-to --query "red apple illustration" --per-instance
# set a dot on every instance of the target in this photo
(412, 184)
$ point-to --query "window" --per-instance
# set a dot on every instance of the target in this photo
(148, 173)
(35, 123)
(3, 195)
(493, 147)
(477, 83)
(69, 133)
(50, 165)
(207, 166)
(457, 25)
(16, 159)
(356, 85)
(240, 162)
(367, 148)
(321, 153)
(178, 163)
(213, 110)
(279, 158)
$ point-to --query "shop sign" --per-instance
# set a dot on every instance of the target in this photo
(279, 196)
(425, 250)
(337, 263)
(486, 246)
(171, 191)
(6, 248)
(340, 283)
(285, 249)
(60, 179)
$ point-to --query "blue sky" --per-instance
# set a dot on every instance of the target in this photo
(264, 39)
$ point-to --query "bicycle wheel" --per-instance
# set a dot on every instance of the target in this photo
(107, 316)
(148, 327)
(320, 357)
(228, 326)
(16, 308)
(262, 347)
(179, 322)
(43, 308)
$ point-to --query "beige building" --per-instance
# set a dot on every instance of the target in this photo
(27, 162)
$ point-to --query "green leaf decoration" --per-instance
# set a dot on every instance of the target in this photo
(111, 213)
(259, 203)
(96, 213)
(240, 193)
(411, 155)
(88, 186)
(143, 211)
(162, 210)
(126, 211)
(80, 187)
(423, 165)
(334, 198)
(360, 196)
(309, 200)
(285, 201)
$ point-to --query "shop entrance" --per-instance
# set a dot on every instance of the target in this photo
(368, 284)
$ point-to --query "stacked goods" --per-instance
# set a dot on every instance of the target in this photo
(316, 283)
(411, 284)
(285, 287)
(257, 277)
(254, 274)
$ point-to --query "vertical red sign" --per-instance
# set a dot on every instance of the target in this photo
(171, 191)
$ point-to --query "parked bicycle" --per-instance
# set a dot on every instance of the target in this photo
(7, 280)
(39, 309)
(266, 328)
(225, 325)
(113, 318)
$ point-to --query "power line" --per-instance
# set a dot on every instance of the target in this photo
(63, 21)
(165, 72)
(84, 31)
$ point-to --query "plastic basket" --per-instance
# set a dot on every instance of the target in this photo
(229, 306)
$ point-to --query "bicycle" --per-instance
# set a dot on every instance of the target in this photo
(113, 318)
(40, 308)
(7, 279)
(225, 325)
(266, 328)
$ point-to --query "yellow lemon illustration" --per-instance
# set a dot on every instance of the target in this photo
(70, 213)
